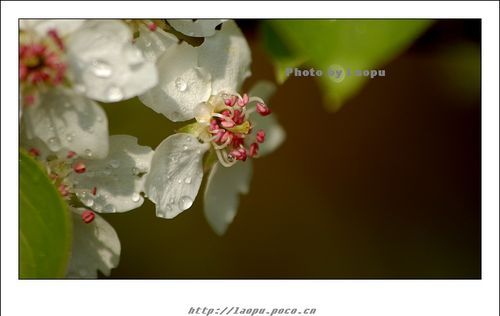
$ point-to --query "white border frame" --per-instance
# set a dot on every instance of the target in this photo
(329, 297)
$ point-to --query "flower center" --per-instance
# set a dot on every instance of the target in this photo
(59, 169)
(229, 128)
(40, 63)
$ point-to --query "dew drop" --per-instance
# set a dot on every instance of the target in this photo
(109, 209)
(134, 57)
(185, 202)
(101, 69)
(114, 164)
(54, 144)
(187, 180)
(88, 201)
(69, 138)
(180, 84)
(115, 94)
(80, 88)
(147, 44)
(136, 197)
(179, 181)
(185, 147)
(135, 171)
(88, 152)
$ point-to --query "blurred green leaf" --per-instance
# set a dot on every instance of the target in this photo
(45, 224)
(353, 44)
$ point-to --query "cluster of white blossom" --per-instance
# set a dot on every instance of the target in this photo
(68, 65)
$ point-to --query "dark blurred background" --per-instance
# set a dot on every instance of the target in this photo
(389, 186)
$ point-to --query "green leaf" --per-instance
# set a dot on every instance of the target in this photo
(353, 44)
(45, 224)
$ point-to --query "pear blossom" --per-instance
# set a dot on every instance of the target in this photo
(64, 66)
(196, 27)
(201, 83)
(109, 185)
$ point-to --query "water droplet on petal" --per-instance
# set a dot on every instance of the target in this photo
(134, 57)
(87, 201)
(109, 209)
(185, 147)
(147, 44)
(114, 164)
(69, 138)
(115, 94)
(187, 180)
(80, 88)
(185, 202)
(54, 144)
(88, 152)
(179, 181)
(136, 197)
(101, 69)
(180, 84)
(135, 171)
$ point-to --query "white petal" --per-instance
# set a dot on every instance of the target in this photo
(226, 56)
(95, 247)
(118, 179)
(222, 192)
(42, 26)
(176, 173)
(275, 134)
(182, 84)
(64, 119)
(104, 63)
(153, 44)
(197, 28)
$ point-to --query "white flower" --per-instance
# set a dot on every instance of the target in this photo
(109, 185)
(99, 57)
(95, 245)
(201, 82)
(196, 28)
(65, 62)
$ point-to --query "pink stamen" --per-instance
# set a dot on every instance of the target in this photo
(227, 135)
(29, 99)
(263, 109)
(94, 191)
(260, 136)
(88, 216)
(63, 189)
(152, 27)
(227, 123)
(34, 152)
(55, 37)
(244, 100)
(239, 154)
(254, 148)
(79, 167)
